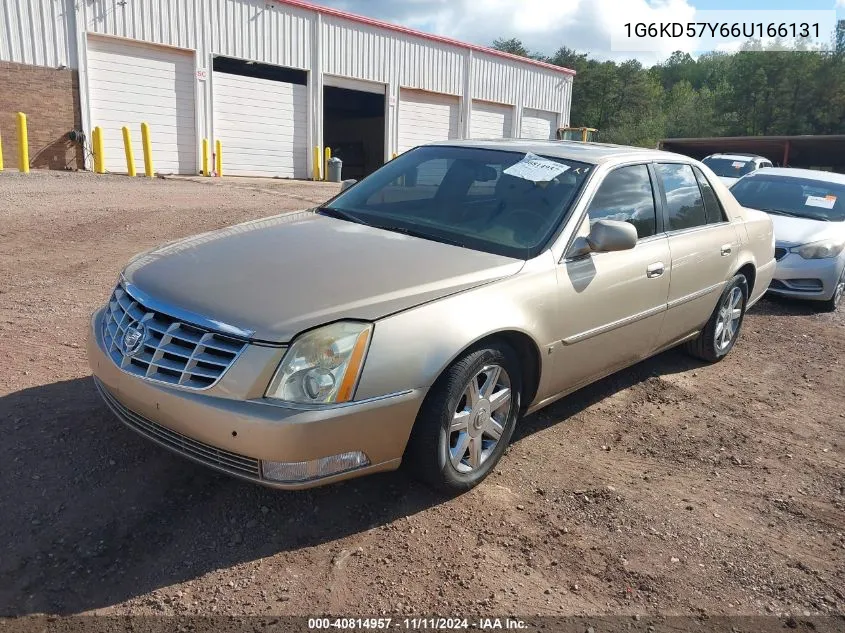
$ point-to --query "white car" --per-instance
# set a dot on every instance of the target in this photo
(731, 167)
(808, 212)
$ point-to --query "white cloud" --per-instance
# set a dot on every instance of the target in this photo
(840, 4)
(542, 25)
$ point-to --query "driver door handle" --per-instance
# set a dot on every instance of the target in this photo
(655, 270)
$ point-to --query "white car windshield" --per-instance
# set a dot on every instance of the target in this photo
(503, 202)
(730, 167)
(798, 197)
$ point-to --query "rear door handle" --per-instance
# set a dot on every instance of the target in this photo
(726, 250)
(655, 270)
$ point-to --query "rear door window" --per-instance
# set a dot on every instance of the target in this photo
(712, 206)
(684, 202)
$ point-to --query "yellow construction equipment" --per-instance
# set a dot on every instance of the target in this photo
(582, 134)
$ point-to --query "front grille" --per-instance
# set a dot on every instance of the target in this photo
(227, 461)
(780, 253)
(168, 350)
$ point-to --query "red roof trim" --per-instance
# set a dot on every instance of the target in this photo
(408, 31)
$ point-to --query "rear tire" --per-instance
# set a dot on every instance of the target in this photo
(721, 333)
(462, 431)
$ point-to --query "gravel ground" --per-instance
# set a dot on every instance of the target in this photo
(671, 487)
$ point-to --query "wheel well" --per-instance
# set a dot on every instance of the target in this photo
(750, 274)
(528, 353)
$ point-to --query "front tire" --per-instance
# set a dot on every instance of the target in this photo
(466, 420)
(722, 330)
(831, 304)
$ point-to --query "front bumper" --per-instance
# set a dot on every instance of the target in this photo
(800, 278)
(236, 436)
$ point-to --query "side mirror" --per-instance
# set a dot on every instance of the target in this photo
(345, 184)
(605, 236)
(611, 235)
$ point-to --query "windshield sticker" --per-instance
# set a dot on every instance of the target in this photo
(825, 202)
(536, 169)
(737, 164)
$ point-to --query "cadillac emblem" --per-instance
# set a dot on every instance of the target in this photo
(133, 339)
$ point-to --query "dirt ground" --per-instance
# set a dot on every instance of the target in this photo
(671, 488)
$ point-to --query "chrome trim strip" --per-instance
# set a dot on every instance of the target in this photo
(695, 295)
(191, 318)
(297, 406)
(577, 338)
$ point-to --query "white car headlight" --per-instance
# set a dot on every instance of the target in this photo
(322, 366)
(823, 249)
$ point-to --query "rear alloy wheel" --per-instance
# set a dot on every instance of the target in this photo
(467, 420)
(831, 304)
(722, 330)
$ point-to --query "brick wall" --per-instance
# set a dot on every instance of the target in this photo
(50, 100)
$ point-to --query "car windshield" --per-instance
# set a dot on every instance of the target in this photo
(798, 197)
(730, 167)
(503, 202)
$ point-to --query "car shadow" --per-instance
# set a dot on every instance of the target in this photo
(94, 515)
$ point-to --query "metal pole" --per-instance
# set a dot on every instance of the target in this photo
(99, 156)
(127, 147)
(148, 150)
(23, 144)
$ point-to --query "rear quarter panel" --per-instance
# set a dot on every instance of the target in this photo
(757, 238)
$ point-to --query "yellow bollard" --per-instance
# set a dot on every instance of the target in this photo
(148, 150)
(394, 155)
(127, 147)
(1, 152)
(316, 165)
(205, 157)
(99, 154)
(23, 144)
(218, 157)
(326, 163)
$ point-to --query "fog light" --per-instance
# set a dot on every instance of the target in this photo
(292, 472)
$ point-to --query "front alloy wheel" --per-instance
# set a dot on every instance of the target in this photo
(480, 420)
(838, 292)
(466, 420)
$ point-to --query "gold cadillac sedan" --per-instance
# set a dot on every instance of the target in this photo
(415, 317)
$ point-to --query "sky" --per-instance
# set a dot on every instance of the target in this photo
(545, 25)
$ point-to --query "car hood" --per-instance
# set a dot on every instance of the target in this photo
(281, 275)
(795, 231)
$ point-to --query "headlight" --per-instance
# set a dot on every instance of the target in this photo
(322, 366)
(824, 249)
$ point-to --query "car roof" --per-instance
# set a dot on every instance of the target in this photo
(594, 153)
(737, 156)
(794, 172)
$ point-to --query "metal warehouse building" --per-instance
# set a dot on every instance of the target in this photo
(270, 79)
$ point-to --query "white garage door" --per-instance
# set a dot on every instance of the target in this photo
(263, 126)
(491, 120)
(538, 124)
(130, 83)
(425, 117)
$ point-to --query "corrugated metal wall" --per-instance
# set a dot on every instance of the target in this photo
(38, 32)
(366, 52)
(45, 33)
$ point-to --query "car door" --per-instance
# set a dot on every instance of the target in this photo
(703, 244)
(611, 305)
